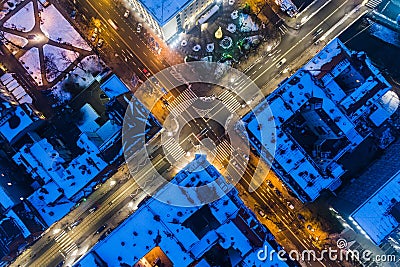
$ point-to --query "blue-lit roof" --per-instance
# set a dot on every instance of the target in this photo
(164, 10)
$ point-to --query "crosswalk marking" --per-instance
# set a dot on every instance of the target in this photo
(283, 29)
(65, 242)
(173, 149)
(182, 102)
(222, 152)
(373, 3)
(229, 101)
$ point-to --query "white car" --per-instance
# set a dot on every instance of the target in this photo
(281, 62)
(290, 205)
(139, 27)
(126, 14)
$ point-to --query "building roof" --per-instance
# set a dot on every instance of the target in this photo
(316, 113)
(184, 234)
(114, 87)
(15, 124)
(50, 203)
(374, 217)
(5, 200)
(163, 10)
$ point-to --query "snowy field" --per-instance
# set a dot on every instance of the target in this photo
(14, 39)
(30, 61)
(56, 27)
(60, 60)
(7, 6)
(23, 20)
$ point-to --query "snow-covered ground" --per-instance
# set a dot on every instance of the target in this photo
(7, 6)
(15, 39)
(56, 27)
(60, 59)
(30, 61)
(81, 75)
(23, 20)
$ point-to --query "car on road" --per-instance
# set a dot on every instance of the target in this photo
(146, 72)
(301, 217)
(100, 42)
(317, 32)
(278, 192)
(281, 62)
(113, 24)
(75, 223)
(126, 14)
(93, 209)
(101, 229)
(290, 205)
(139, 27)
(94, 36)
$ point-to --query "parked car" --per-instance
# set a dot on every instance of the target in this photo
(270, 184)
(101, 229)
(139, 27)
(126, 14)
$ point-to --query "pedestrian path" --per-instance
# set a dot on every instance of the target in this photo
(373, 3)
(65, 243)
(173, 149)
(229, 101)
(182, 102)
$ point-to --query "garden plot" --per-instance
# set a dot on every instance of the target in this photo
(30, 61)
(23, 20)
(57, 28)
(15, 42)
(57, 60)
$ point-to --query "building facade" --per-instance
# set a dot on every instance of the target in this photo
(169, 18)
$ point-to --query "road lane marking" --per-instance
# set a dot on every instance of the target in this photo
(301, 40)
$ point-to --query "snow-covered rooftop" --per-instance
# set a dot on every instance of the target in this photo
(20, 121)
(43, 161)
(323, 101)
(5, 200)
(178, 231)
(50, 203)
(385, 108)
(14, 89)
(114, 87)
(374, 216)
(88, 122)
(164, 10)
